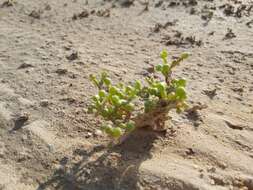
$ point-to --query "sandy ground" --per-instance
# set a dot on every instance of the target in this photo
(49, 48)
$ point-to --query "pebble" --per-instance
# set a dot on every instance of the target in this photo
(59, 167)
(98, 133)
(35, 14)
(61, 71)
(88, 135)
(2, 149)
(51, 147)
(24, 137)
(211, 169)
(25, 65)
(73, 56)
(44, 103)
(223, 165)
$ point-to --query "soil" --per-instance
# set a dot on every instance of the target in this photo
(48, 49)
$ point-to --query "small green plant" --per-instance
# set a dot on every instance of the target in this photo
(125, 107)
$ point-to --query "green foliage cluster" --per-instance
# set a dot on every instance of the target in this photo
(121, 105)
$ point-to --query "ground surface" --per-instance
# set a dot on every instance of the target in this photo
(47, 51)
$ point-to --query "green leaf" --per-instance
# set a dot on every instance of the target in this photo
(171, 96)
(107, 129)
(115, 100)
(129, 89)
(120, 85)
(137, 85)
(159, 67)
(113, 90)
(153, 91)
(165, 70)
(149, 80)
(107, 81)
(179, 110)
(94, 80)
(105, 113)
(179, 60)
(129, 107)
(164, 55)
(130, 126)
(181, 82)
(102, 94)
(123, 102)
(96, 98)
(180, 93)
(162, 89)
(185, 55)
(103, 75)
(122, 125)
(116, 132)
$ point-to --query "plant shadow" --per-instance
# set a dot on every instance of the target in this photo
(102, 168)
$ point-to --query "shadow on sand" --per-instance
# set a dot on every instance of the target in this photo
(104, 168)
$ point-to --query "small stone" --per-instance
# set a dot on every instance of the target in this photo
(233, 125)
(103, 13)
(157, 27)
(23, 156)
(126, 3)
(83, 14)
(88, 135)
(73, 56)
(24, 138)
(51, 147)
(223, 165)
(59, 167)
(210, 93)
(35, 14)
(48, 7)
(25, 65)
(249, 24)
(7, 3)
(230, 34)
(159, 3)
(197, 123)
(218, 180)
(80, 63)
(61, 71)
(193, 11)
(193, 2)
(249, 182)
(173, 4)
(44, 103)
(238, 89)
(189, 151)
(19, 121)
(98, 133)
(2, 150)
(221, 80)
(151, 69)
(144, 73)
(228, 9)
(211, 169)
(201, 170)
